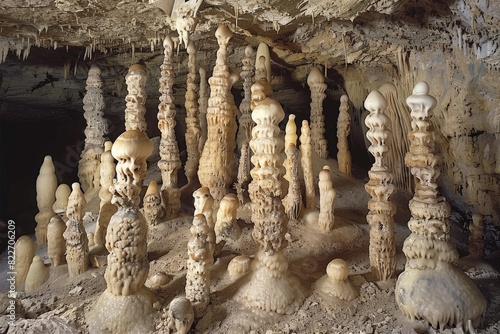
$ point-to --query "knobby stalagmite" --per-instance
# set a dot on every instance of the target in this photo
(293, 199)
(56, 245)
(269, 286)
(204, 204)
(307, 165)
(170, 162)
(243, 173)
(245, 120)
(316, 82)
(327, 194)
(380, 187)
(217, 160)
(77, 243)
(126, 306)
(193, 129)
(204, 94)
(226, 228)
(46, 186)
(431, 287)
(97, 128)
(153, 211)
(343, 130)
(136, 98)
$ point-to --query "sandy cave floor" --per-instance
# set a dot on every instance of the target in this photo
(60, 305)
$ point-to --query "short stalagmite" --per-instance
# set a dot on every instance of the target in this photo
(56, 245)
(316, 82)
(336, 282)
(343, 130)
(179, 317)
(269, 286)
(97, 128)
(476, 238)
(204, 204)
(170, 162)
(153, 211)
(193, 129)
(431, 287)
(126, 305)
(37, 274)
(46, 186)
(77, 243)
(380, 187)
(217, 159)
(62, 193)
(327, 194)
(307, 165)
(226, 228)
(200, 259)
(24, 252)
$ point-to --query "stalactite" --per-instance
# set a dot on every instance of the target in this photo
(380, 187)
(170, 162)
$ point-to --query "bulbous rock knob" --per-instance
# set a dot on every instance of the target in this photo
(375, 102)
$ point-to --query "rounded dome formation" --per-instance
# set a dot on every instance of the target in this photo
(337, 270)
(375, 101)
(132, 144)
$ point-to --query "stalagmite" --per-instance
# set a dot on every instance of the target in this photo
(226, 228)
(245, 120)
(97, 128)
(126, 306)
(204, 204)
(316, 82)
(327, 194)
(380, 187)
(200, 259)
(293, 199)
(193, 129)
(307, 166)
(476, 238)
(179, 317)
(263, 63)
(336, 282)
(46, 185)
(269, 286)
(62, 194)
(243, 173)
(217, 160)
(290, 139)
(431, 287)
(24, 251)
(136, 98)
(77, 243)
(56, 245)
(170, 162)
(153, 211)
(106, 209)
(37, 274)
(343, 130)
(204, 94)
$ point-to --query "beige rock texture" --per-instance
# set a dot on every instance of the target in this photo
(24, 253)
(380, 187)
(136, 98)
(217, 159)
(430, 281)
(344, 158)
(170, 162)
(226, 228)
(37, 274)
(179, 317)
(62, 194)
(46, 186)
(97, 127)
(56, 244)
(153, 211)
(316, 82)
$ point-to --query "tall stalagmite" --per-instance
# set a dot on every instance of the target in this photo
(269, 286)
(307, 165)
(204, 94)
(343, 130)
(245, 120)
(193, 129)
(46, 186)
(136, 98)
(217, 159)
(431, 287)
(126, 306)
(170, 162)
(380, 187)
(316, 82)
(97, 128)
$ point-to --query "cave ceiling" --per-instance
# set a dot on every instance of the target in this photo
(332, 33)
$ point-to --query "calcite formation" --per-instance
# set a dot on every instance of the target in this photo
(56, 245)
(293, 199)
(193, 129)
(46, 186)
(24, 253)
(77, 243)
(136, 98)
(245, 119)
(37, 274)
(269, 287)
(153, 211)
(179, 316)
(62, 193)
(476, 238)
(126, 306)
(263, 63)
(306, 151)
(217, 159)
(343, 130)
(97, 128)
(204, 95)
(243, 173)
(430, 283)
(204, 204)
(336, 282)
(327, 194)
(380, 187)
(170, 162)
(200, 259)
(226, 228)
(316, 82)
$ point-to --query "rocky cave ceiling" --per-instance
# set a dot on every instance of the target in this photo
(332, 33)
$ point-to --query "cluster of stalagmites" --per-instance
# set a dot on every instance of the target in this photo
(431, 287)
